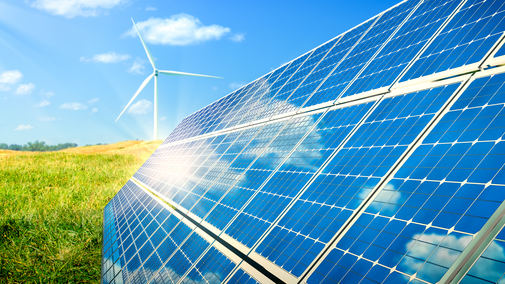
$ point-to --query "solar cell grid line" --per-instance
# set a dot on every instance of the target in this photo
(182, 158)
(161, 241)
(265, 95)
(235, 149)
(242, 277)
(464, 42)
(385, 26)
(282, 81)
(214, 266)
(412, 38)
(187, 179)
(347, 44)
(277, 151)
(132, 225)
(449, 193)
(242, 99)
(255, 96)
(237, 109)
(355, 169)
(225, 207)
(109, 256)
(142, 252)
(334, 129)
(300, 75)
(236, 168)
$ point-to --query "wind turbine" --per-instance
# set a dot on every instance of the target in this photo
(155, 75)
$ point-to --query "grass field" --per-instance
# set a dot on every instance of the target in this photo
(51, 209)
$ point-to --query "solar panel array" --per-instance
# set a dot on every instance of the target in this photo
(377, 157)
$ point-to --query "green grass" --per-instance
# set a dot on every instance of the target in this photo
(51, 213)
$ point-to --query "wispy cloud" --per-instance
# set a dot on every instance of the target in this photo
(73, 8)
(94, 100)
(149, 8)
(25, 89)
(109, 57)
(74, 106)
(23, 127)
(94, 110)
(43, 103)
(236, 85)
(141, 107)
(237, 37)
(47, 118)
(163, 118)
(181, 29)
(137, 67)
(45, 94)
(9, 77)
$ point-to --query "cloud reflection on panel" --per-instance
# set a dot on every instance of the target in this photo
(490, 266)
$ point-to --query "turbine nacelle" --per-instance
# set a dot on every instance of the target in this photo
(155, 74)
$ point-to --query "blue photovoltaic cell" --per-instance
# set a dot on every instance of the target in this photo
(228, 175)
(328, 64)
(282, 102)
(214, 267)
(427, 214)
(111, 266)
(243, 99)
(263, 166)
(265, 94)
(281, 85)
(465, 40)
(352, 173)
(361, 53)
(255, 94)
(404, 45)
(241, 277)
(490, 267)
(294, 173)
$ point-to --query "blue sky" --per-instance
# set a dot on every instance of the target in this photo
(69, 67)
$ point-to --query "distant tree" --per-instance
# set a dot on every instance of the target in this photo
(4, 146)
(15, 147)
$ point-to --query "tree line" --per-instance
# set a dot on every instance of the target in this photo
(39, 146)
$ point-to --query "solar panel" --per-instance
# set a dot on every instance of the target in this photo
(376, 157)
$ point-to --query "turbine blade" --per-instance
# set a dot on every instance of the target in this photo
(176, 73)
(151, 59)
(137, 93)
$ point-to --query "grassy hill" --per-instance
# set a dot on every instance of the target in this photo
(51, 209)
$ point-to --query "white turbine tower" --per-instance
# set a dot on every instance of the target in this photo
(155, 75)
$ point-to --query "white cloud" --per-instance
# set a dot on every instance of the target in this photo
(10, 77)
(236, 85)
(94, 100)
(23, 127)
(47, 94)
(43, 103)
(109, 57)
(163, 118)
(73, 8)
(214, 88)
(73, 106)
(181, 29)
(25, 89)
(141, 107)
(237, 37)
(137, 67)
(47, 118)
(149, 8)
(94, 110)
